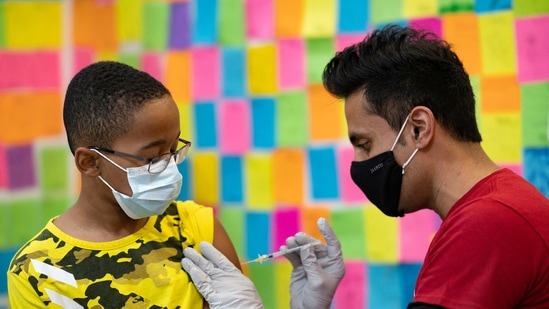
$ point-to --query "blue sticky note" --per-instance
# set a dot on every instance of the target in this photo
(205, 129)
(183, 168)
(258, 225)
(5, 257)
(385, 290)
(493, 5)
(323, 173)
(205, 22)
(233, 72)
(179, 37)
(353, 16)
(408, 276)
(536, 168)
(263, 122)
(231, 179)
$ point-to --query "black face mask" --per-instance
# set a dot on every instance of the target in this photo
(380, 179)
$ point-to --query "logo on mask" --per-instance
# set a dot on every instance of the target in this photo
(375, 168)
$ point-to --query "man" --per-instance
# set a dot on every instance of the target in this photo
(410, 113)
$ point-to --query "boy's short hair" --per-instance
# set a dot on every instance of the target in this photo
(101, 102)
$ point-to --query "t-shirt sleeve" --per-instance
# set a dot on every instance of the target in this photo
(197, 223)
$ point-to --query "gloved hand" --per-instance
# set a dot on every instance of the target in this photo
(218, 280)
(317, 270)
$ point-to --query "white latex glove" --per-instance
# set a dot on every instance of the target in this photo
(218, 280)
(317, 270)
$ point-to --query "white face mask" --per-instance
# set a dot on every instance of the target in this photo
(152, 193)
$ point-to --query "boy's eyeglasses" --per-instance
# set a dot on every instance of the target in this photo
(159, 163)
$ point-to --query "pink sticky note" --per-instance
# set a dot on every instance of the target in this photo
(3, 167)
(36, 70)
(45, 70)
(532, 46)
(352, 290)
(235, 126)
(259, 19)
(346, 40)
(350, 193)
(430, 24)
(291, 72)
(416, 232)
(205, 72)
(82, 57)
(516, 168)
(9, 62)
(286, 224)
(152, 64)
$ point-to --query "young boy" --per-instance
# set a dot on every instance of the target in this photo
(121, 244)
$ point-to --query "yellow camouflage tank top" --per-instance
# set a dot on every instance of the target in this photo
(142, 270)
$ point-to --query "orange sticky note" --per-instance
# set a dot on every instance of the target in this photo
(461, 30)
(499, 94)
(94, 25)
(262, 66)
(309, 218)
(325, 114)
(177, 78)
(288, 173)
(288, 18)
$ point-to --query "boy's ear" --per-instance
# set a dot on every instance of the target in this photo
(86, 161)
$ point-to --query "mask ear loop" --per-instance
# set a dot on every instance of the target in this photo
(400, 132)
(106, 158)
(409, 159)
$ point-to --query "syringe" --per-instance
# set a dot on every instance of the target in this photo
(270, 256)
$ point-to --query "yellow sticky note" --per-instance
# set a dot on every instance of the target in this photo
(205, 167)
(32, 24)
(129, 18)
(419, 8)
(262, 66)
(502, 139)
(259, 175)
(381, 236)
(282, 276)
(319, 18)
(186, 122)
(497, 42)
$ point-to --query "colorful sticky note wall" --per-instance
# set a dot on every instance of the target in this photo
(270, 151)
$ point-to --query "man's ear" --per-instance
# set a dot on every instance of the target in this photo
(86, 161)
(423, 124)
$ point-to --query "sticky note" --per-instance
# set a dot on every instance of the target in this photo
(129, 20)
(204, 22)
(262, 276)
(349, 226)
(262, 69)
(258, 227)
(155, 25)
(347, 40)
(82, 57)
(385, 11)
(535, 114)
(177, 77)
(205, 72)
(21, 167)
(352, 16)
(497, 43)
(415, 234)
(35, 70)
(259, 178)
(289, 176)
(263, 122)
(500, 93)
(291, 69)
(494, 126)
(231, 23)
(387, 290)
(32, 24)
(233, 220)
(461, 30)
(350, 193)
(286, 222)
(3, 167)
(487, 6)
(205, 173)
(180, 22)
(420, 8)
(319, 18)
(381, 234)
(319, 52)
(234, 122)
(259, 19)
(430, 24)
(324, 109)
(234, 70)
(408, 277)
(54, 172)
(282, 278)
(2, 21)
(130, 58)
(292, 120)
(515, 168)
(186, 123)
(309, 219)
(352, 290)
(531, 48)
(94, 24)
(186, 192)
(288, 17)
(231, 179)
(28, 226)
(535, 162)
(451, 6)
(151, 63)
(530, 7)
(323, 178)
(206, 125)
(54, 204)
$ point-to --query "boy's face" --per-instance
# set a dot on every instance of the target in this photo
(155, 131)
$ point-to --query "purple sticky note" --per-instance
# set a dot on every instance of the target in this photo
(352, 290)
(3, 168)
(286, 224)
(235, 125)
(205, 73)
(259, 19)
(532, 46)
(180, 26)
(349, 190)
(291, 71)
(21, 167)
(430, 24)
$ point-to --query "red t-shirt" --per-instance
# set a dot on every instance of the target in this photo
(492, 249)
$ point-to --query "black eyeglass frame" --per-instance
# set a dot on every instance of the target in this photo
(153, 160)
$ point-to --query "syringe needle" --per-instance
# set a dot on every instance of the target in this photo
(265, 257)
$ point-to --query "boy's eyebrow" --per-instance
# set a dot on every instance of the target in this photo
(159, 142)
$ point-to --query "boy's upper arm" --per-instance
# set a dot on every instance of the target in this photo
(223, 243)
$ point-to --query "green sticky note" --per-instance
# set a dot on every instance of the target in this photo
(319, 53)
(530, 7)
(25, 220)
(475, 84)
(4, 224)
(131, 59)
(386, 11)
(54, 168)
(449, 6)
(535, 114)
(262, 275)
(155, 27)
(291, 113)
(53, 205)
(2, 25)
(231, 23)
(232, 219)
(348, 224)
